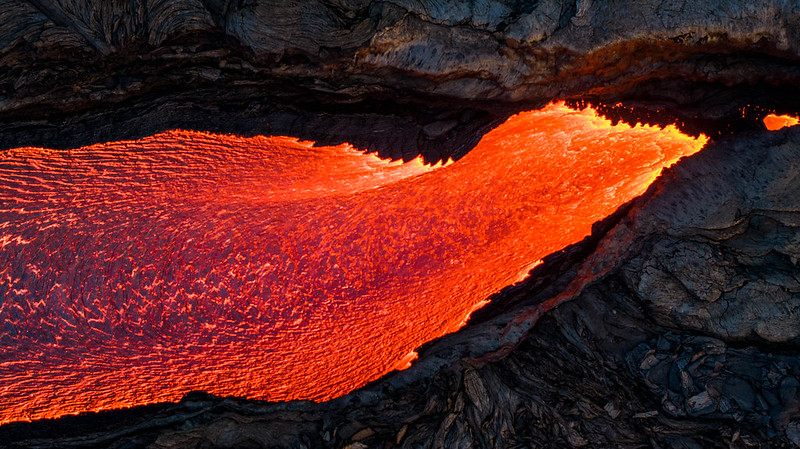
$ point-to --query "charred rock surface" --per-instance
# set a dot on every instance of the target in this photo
(679, 330)
(402, 77)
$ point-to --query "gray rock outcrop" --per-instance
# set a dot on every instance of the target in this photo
(437, 73)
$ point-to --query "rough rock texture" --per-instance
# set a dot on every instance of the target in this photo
(437, 73)
(679, 330)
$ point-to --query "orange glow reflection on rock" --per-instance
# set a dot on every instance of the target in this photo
(775, 122)
(134, 272)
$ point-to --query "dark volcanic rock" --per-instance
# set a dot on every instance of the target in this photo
(438, 74)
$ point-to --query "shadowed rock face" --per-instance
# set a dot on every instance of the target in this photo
(677, 323)
(436, 73)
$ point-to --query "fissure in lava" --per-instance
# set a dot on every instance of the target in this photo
(133, 272)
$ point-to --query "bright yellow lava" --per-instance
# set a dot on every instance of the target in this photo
(775, 122)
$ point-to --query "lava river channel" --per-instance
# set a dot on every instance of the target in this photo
(133, 272)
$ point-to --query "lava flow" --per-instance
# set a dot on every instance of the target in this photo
(133, 272)
(775, 122)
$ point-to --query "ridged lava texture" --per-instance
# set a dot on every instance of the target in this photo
(134, 272)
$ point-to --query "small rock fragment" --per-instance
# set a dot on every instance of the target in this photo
(701, 404)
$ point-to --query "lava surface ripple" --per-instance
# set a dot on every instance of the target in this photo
(133, 272)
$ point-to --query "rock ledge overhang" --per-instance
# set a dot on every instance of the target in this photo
(438, 73)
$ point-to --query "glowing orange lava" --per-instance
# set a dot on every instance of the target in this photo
(133, 272)
(775, 122)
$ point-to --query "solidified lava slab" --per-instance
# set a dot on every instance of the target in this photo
(132, 272)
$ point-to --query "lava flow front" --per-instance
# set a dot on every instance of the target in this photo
(133, 272)
(775, 122)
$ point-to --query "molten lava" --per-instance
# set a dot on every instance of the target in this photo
(775, 122)
(133, 272)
